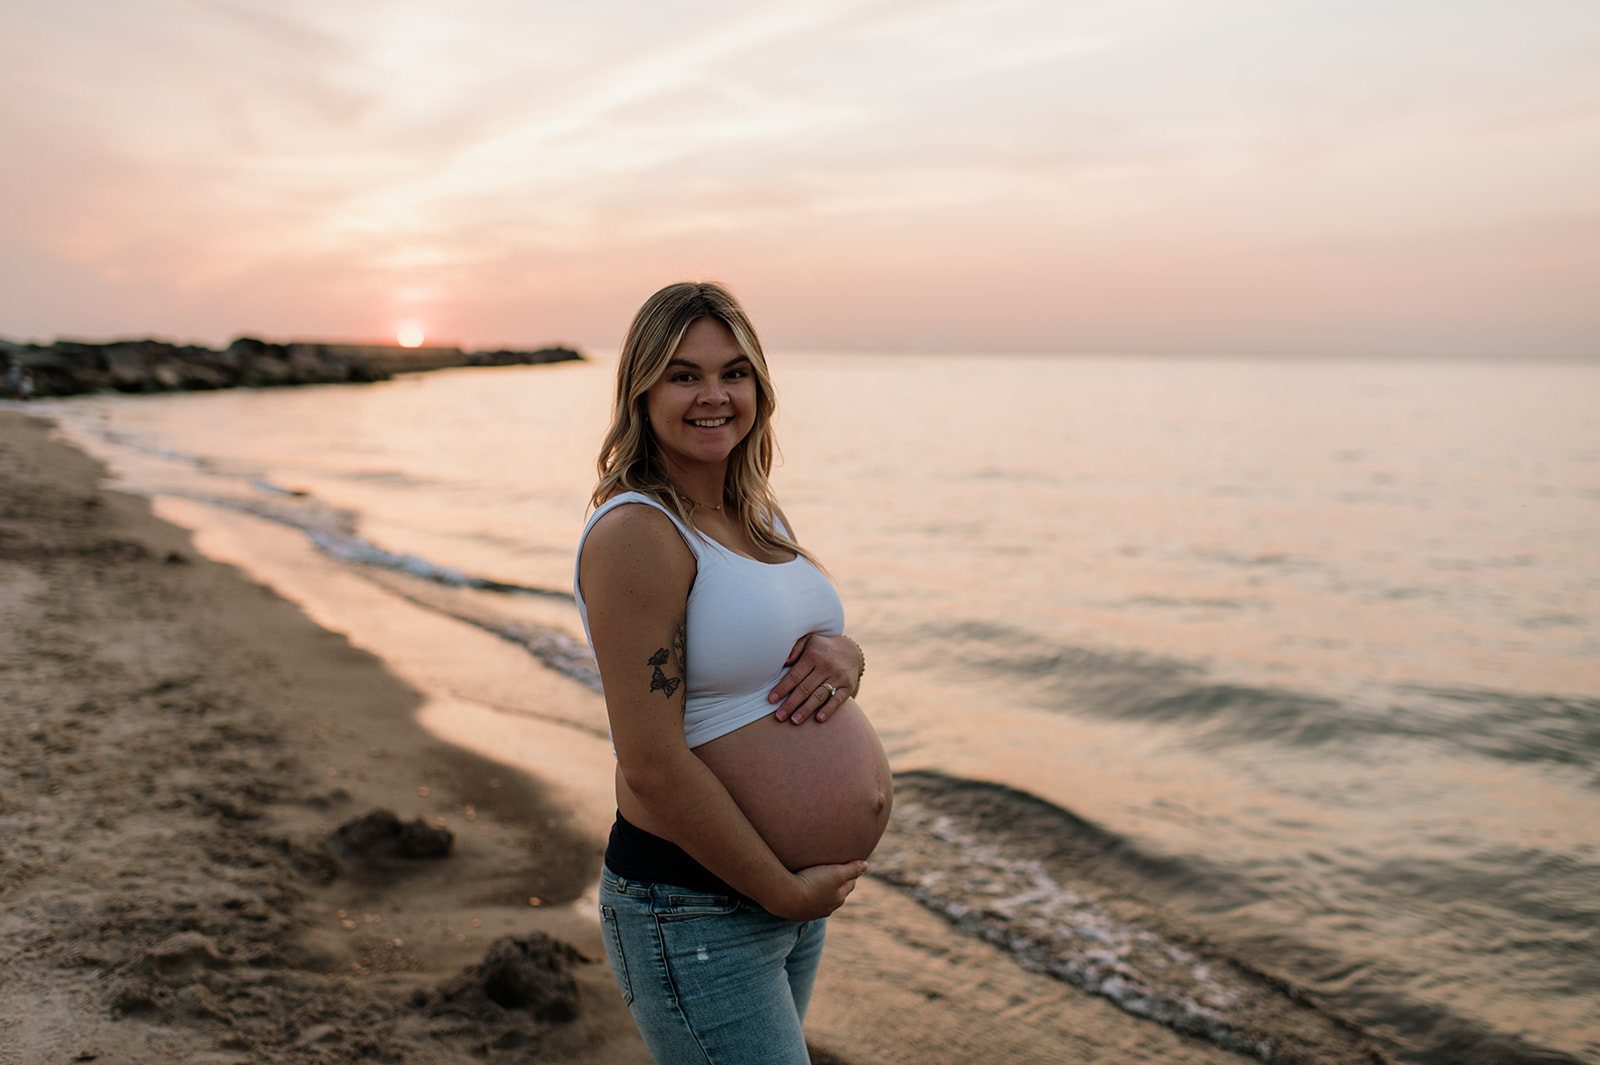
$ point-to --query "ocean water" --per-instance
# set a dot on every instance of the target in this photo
(1303, 657)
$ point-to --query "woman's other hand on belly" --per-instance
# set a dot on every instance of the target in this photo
(823, 672)
(819, 890)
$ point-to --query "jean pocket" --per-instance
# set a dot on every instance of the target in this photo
(679, 904)
(614, 954)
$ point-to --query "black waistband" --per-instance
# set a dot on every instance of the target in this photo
(634, 854)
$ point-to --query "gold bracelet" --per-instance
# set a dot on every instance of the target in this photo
(863, 670)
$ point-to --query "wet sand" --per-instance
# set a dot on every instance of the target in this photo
(182, 742)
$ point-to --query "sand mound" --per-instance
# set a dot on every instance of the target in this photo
(381, 838)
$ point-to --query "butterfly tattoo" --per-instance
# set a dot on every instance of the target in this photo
(667, 685)
(659, 681)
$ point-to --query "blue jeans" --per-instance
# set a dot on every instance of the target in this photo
(710, 980)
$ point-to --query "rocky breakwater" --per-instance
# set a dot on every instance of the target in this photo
(69, 367)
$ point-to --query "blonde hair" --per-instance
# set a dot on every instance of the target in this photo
(630, 459)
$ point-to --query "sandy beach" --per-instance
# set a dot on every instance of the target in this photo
(191, 868)
(180, 747)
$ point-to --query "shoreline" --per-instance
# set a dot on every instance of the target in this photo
(336, 696)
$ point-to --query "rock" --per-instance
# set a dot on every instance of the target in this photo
(522, 358)
(70, 367)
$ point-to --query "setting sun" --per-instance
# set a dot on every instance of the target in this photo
(409, 336)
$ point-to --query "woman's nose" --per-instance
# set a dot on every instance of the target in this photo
(712, 392)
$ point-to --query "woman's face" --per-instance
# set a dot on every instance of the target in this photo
(705, 402)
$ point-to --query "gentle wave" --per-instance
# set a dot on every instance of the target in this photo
(1069, 899)
(1517, 728)
(1551, 729)
(323, 530)
(1057, 893)
(552, 647)
(331, 531)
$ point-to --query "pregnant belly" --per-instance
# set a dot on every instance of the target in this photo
(817, 793)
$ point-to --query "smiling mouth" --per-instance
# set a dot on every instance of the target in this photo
(709, 423)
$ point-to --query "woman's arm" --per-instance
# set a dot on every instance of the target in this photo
(635, 573)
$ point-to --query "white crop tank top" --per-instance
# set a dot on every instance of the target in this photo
(744, 617)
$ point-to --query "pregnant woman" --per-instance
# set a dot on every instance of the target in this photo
(750, 786)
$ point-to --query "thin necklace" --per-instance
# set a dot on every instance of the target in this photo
(697, 504)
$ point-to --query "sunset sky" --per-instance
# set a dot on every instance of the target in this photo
(1255, 176)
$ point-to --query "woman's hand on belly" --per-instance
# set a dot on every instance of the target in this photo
(823, 672)
(825, 889)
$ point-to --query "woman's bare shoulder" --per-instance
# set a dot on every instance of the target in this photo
(633, 524)
(637, 537)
